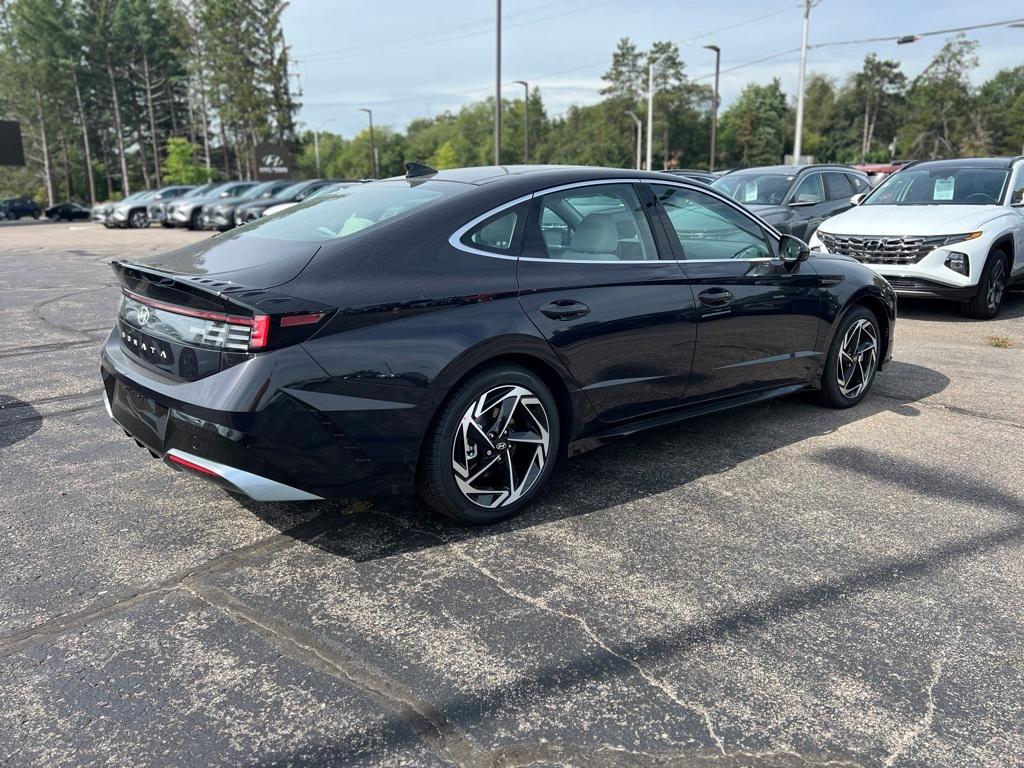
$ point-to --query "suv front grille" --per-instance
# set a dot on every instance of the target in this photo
(882, 250)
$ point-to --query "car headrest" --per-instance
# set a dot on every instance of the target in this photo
(598, 233)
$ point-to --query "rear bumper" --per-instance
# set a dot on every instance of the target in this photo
(254, 437)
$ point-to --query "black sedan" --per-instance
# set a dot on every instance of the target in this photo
(68, 212)
(795, 199)
(457, 332)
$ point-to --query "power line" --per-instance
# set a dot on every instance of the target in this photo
(421, 43)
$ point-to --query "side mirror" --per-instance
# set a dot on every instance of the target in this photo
(858, 198)
(793, 249)
(806, 199)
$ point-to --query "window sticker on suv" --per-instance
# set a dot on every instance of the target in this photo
(944, 189)
(750, 192)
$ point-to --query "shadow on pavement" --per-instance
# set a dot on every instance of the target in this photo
(18, 420)
(626, 470)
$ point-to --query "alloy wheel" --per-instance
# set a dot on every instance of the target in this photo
(139, 220)
(501, 446)
(996, 285)
(858, 356)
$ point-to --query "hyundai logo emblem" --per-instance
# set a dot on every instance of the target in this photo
(143, 315)
(272, 161)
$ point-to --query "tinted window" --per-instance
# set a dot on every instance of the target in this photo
(344, 213)
(1017, 196)
(941, 186)
(859, 184)
(809, 190)
(838, 186)
(755, 188)
(604, 222)
(497, 233)
(708, 228)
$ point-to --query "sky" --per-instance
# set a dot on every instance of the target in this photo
(408, 58)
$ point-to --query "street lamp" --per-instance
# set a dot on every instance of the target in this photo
(374, 161)
(526, 119)
(316, 142)
(497, 85)
(650, 108)
(714, 105)
(639, 134)
(798, 139)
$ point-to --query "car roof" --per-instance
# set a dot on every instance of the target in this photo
(793, 170)
(1001, 163)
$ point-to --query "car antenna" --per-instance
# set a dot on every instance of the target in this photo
(415, 170)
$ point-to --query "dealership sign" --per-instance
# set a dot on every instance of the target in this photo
(273, 161)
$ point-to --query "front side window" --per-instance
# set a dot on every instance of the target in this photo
(603, 222)
(859, 184)
(809, 190)
(710, 229)
(941, 186)
(838, 186)
(342, 214)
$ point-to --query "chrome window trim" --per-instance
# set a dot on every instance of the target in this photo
(455, 240)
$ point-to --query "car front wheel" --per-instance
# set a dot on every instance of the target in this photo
(991, 289)
(138, 220)
(492, 446)
(852, 360)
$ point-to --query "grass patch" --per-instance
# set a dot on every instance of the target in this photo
(1000, 342)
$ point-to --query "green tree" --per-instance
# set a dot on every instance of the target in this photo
(182, 165)
(1000, 106)
(939, 102)
(755, 130)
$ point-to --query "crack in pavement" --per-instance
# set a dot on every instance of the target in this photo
(959, 410)
(298, 643)
(925, 723)
(542, 605)
(226, 561)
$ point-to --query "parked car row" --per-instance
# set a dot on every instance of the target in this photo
(215, 206)
(947, 229)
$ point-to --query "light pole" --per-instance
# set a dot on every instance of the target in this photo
(497, 85)
(639, 134)
(526, 119)
(650, 109)
(798, 139)
(316, 142)
(374, 162)
(714, 105)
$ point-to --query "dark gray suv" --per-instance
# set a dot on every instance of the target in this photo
(795, 199)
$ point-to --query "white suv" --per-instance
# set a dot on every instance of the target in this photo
(951, 229)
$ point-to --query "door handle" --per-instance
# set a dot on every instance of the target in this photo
(715, 297)
(565, 309)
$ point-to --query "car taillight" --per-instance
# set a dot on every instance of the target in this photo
(259, 334)
(217, 330)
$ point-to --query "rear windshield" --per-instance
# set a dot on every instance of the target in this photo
(346, 212)
(941, 186)
(755, 188)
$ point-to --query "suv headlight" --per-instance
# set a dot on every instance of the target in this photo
(950, 239)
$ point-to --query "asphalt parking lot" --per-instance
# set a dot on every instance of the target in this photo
(783, 585)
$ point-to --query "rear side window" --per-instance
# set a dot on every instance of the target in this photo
(351, 210)
(602, 222)
(838, 186)
(497, 234)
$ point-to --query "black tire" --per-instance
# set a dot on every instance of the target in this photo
(436, 477)
(35, 216)
(138, 220)
(166, 225)
(991, 288)
(193, 222)
(836, 393)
